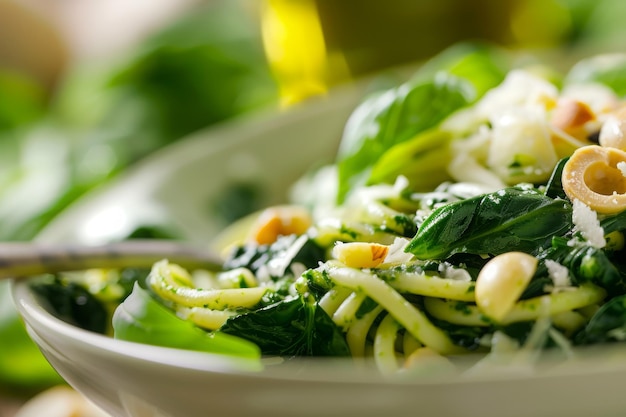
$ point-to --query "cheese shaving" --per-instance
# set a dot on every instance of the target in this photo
(559, 275)
(587, 223)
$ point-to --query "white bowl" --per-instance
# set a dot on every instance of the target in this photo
(176, 186)
(129, 379)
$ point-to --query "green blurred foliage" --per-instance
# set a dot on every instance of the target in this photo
(21, 364)
(203, 69)
(23, 100)
(598, 24)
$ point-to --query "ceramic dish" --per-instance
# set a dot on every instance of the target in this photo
(128, 379)
(177, 187)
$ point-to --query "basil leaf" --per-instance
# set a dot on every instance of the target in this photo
(586, 263)
(613, 223)
(484, 66)
(74, 304)
(392, 117)
(255, 257)
(608, 324)
(506, 220)
(554, 186)
(445, 83)
(296, 327)
(606, 69)
(142, 319)
(423, 160)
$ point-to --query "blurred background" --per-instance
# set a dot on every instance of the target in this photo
(88, 88)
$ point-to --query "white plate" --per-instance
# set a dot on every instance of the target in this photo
(128, 379)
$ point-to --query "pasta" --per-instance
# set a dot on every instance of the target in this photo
(396, 270)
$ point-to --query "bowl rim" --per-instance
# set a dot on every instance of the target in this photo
(328, 370)
(36, 315)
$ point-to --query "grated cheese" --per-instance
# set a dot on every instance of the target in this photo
(450, 272)
(396, 252)
(559, 275)
(586, 222)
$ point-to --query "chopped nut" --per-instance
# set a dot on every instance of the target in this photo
(361, 254)
(280, 221)
(613, 131)
(571, 116)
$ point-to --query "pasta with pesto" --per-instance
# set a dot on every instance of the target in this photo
(483, 231)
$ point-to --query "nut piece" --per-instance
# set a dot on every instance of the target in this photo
(360, 254)
(280, 221)
(613, 131)
(502, 281)
(592, 175)
(571, 116)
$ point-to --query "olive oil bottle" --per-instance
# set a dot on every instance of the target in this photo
(312, 45)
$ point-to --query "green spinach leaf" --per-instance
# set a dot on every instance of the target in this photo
(607, 69)
(483, 65)
(422, 159)
(142, 319)
(514, 218)
(589, 264)
(296, 327)
(554, 187)
(608, 324)
(254, 257)
(614, 223)
(74, 304)
(392, 117)
(444, 84)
